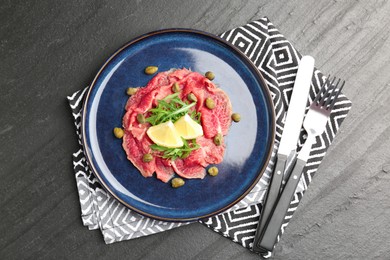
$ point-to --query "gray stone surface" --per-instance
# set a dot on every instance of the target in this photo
(49, 49)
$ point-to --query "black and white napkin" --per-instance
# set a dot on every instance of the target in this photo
(277, 60)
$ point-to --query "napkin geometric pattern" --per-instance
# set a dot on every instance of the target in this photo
(278, 61)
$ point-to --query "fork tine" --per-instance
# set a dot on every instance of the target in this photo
(321, 90)
(337, 94)
(322, 101)
(329, 99)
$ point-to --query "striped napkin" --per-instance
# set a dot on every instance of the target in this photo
(278, 62)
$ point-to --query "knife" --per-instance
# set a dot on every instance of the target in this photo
(288, 142)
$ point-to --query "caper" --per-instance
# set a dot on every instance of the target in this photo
(218, 139)
(177, 182)
(210, 75)
(118, 132)
(213, 171)
(141, 118)
(210, 103)
(191, 97)
(236, 117)
(151, 70)
(147, 157)
(175, 87)
(131, 91)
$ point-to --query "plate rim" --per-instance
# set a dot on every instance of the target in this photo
(267, 94)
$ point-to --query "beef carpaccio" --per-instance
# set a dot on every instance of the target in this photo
(214, 121)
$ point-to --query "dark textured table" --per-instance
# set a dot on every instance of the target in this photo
(50, 49)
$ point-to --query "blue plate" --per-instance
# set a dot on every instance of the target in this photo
(249, 142)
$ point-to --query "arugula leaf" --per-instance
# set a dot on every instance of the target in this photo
(171, 108)
(195, 116)
(174, 153)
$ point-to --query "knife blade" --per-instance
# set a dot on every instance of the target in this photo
(296, 109)
(288, 142)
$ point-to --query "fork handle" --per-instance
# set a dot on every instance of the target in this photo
(272, 195)
(271, 231)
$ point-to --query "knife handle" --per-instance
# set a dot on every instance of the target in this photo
(270, 234)
(272, 196)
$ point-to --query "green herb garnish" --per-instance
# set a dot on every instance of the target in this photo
(180, 152)
(195, 116)
(171, 108)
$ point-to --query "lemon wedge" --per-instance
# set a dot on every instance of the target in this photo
(165, 134)
(188, 128)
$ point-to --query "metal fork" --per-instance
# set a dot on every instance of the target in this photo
(314, 124)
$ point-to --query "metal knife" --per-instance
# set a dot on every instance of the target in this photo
(288, 142)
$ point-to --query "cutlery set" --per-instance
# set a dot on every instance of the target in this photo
(279, 196)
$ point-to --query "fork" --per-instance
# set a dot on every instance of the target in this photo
(314, 124)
